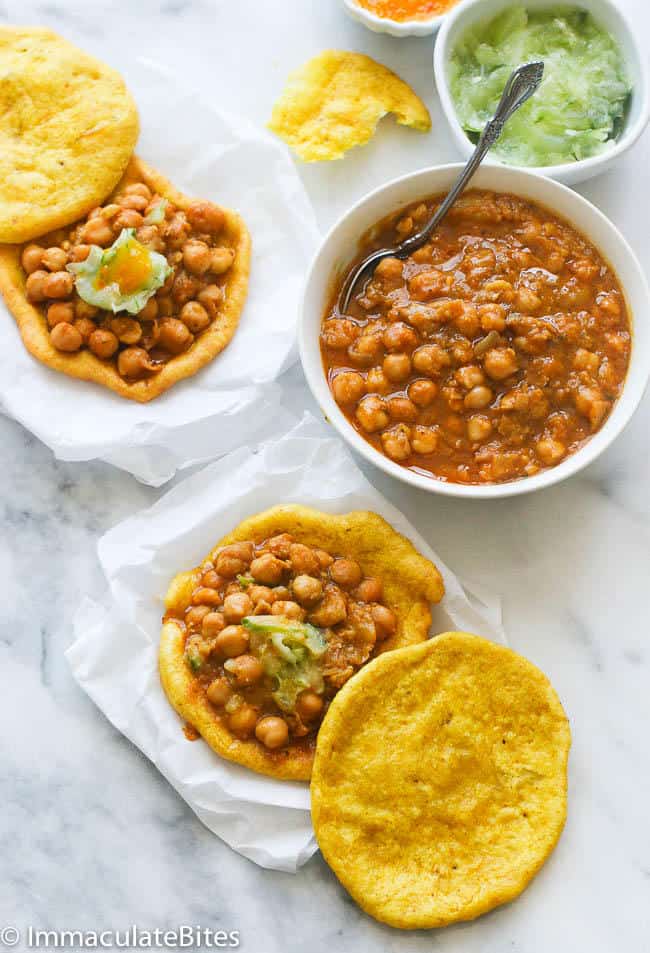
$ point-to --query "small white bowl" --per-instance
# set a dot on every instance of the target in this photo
(608, 15)
(341, 245)
(393, 27)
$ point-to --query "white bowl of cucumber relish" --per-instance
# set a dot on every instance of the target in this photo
(473, 13)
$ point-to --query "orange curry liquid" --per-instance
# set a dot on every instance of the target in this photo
(402, 10)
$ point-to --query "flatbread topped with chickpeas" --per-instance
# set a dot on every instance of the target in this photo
(258, 639)
(143, 292)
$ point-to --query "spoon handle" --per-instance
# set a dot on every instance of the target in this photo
(521, 85)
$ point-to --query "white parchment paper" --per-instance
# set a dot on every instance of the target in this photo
(114, 655)
(234, 400)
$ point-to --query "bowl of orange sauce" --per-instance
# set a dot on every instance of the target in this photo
(399, 17)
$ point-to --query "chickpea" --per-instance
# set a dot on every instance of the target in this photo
(185, 287)
(219, 691)
(236, 607)
(470, 376)
(32, 258)
(346, 573)
(195, 317)
(280, 593)
(324, 559)
(267, 569)
(242, 721)
(60, 311)
(365, 349)
(307, 589)
(103, 343)
(303, 559)
(431, 359)
(331, 609)
(205, 596)
(478, 398)
(372, 414)
(126, 330)
(245, 669)
(196, 615)
(339, 333)
(400, 337)
(127, 218)
(85, 327)
(213, 623)
(348, 387)
(138, 188)
(58, 284)
(222, 259)
(397, 367)
(79, 252)
(309, 705)
(377, 382)
(369, 590)
(280, 545)
(500, 363)
(134, 363)
(234, 559)
(84, 310)
(206, 217)
(272, 731)
(479, 428)
(65, 337)
(197, 257)
(550, 451)
(212, 579)
(175, 336)
(260, 594)
(232, 641)
(211, 297)
(492, 317)
(97, 231)
(288, 609)
(396, 442)
(389, 269)
(34, 288)
(401, 408)
(133, 200)
(385, 622)
(424, 439)
(422, 392)
(54, 259)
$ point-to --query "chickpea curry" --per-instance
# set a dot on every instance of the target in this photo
(489, 354)
(274, 629)
(142, 292)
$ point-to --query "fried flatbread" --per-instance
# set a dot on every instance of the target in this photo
(440, 780)
(84, 364)
(68, 127)
(411, 583)
(335, 101)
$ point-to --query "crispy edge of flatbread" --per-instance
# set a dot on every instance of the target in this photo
(84, 365)
(414, 582)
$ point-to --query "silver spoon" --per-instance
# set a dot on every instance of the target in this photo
(521, 85)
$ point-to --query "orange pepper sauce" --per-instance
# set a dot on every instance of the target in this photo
(402, 10)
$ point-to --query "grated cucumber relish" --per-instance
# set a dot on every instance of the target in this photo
(578, 110)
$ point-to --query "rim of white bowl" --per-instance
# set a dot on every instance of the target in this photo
(633, 388)
(630, 133)
(397, 27)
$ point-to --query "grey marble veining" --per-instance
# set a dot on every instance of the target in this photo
(91, 836)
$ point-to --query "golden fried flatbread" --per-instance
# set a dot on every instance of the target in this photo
(335, 101)
(68, 127)
(411, 584)
(440, 780)
(84, 364)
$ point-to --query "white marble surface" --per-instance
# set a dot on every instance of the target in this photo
(90, 835)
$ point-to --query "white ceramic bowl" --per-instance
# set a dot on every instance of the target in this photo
(468, 12)
(340, 246)
(393, 27)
